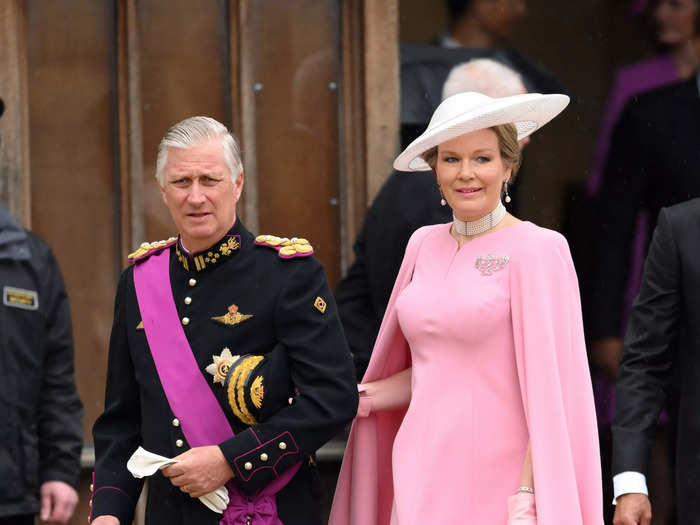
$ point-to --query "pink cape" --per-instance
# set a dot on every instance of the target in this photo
(554, 381)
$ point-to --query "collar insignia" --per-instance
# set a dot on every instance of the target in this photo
(221, 365)
(232, 317)
(200, 261)
(140, 325)
(489, 264)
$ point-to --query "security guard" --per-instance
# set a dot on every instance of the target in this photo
(41, 414)
(226, 354)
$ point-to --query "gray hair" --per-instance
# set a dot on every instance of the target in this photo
(483, 75)
(196, 130)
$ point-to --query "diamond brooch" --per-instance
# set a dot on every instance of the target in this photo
(490, 263)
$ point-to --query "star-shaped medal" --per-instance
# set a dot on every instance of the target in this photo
(221, 365)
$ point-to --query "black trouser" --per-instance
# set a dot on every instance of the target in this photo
(24, 519)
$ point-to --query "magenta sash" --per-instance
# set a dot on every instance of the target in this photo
(202, 418)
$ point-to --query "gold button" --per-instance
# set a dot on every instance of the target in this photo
(92, 487)
(263, 457)
(176, 422)
(188, 300)
(185, 321)
(179, 443)
(248, 465)
(282, 445)
(193, 282)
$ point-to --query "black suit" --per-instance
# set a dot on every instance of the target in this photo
(661, 359)
(654, 161)
(282, 296)
(407, 201)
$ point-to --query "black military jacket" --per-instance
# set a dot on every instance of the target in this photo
(278, 302)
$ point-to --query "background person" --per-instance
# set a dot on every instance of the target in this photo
(41, 433)
(659, 367)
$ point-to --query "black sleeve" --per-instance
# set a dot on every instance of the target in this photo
(356, 309)
(117, 431)
(620, 200)
(322, 372)
(406, 202)
(61, 412)
(650, 347)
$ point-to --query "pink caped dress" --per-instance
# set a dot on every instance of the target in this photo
(498, 360)
(466, 411)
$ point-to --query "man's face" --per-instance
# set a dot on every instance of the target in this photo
(498, 17)
(198, 191)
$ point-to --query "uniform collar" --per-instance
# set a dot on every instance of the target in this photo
(13, 238)
(225, 248)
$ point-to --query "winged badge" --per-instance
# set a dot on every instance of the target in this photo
(232, 317)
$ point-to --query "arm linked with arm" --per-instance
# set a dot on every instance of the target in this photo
(391, 393)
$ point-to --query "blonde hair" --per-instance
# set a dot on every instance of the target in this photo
(508, 147)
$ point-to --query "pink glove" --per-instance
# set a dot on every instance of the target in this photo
(364, 409)
(521, 509)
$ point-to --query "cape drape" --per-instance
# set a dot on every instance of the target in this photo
(555, 385)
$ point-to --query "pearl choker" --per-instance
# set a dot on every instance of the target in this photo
(482, 225)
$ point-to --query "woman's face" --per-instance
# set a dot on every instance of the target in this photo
(471, 173)
(675, 21)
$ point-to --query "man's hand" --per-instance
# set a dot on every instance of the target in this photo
(632, 509)
(58, 500)
(200, 470)
(606, 354)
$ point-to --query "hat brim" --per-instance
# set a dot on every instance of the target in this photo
(528, 112)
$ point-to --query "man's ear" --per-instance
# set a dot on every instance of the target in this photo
(238, 186)
(162, 193)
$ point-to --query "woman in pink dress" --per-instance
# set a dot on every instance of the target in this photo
(477, 405)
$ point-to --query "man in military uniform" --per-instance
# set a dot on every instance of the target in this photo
(226, 355)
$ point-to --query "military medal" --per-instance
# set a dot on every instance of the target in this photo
(221, 365)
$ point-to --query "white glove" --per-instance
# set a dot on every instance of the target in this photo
(143, 463)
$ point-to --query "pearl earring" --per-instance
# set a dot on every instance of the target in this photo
(507, 199)
(443, 202)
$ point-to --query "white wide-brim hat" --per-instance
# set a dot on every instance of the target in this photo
(466, 112)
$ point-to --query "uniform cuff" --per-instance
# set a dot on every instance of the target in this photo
(255, 463)
(628, 483)
(112, 501)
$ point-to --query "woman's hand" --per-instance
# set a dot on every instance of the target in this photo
(521, 505)
(521, 509)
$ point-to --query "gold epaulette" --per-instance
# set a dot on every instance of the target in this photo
(286, 248)
(149, 248)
